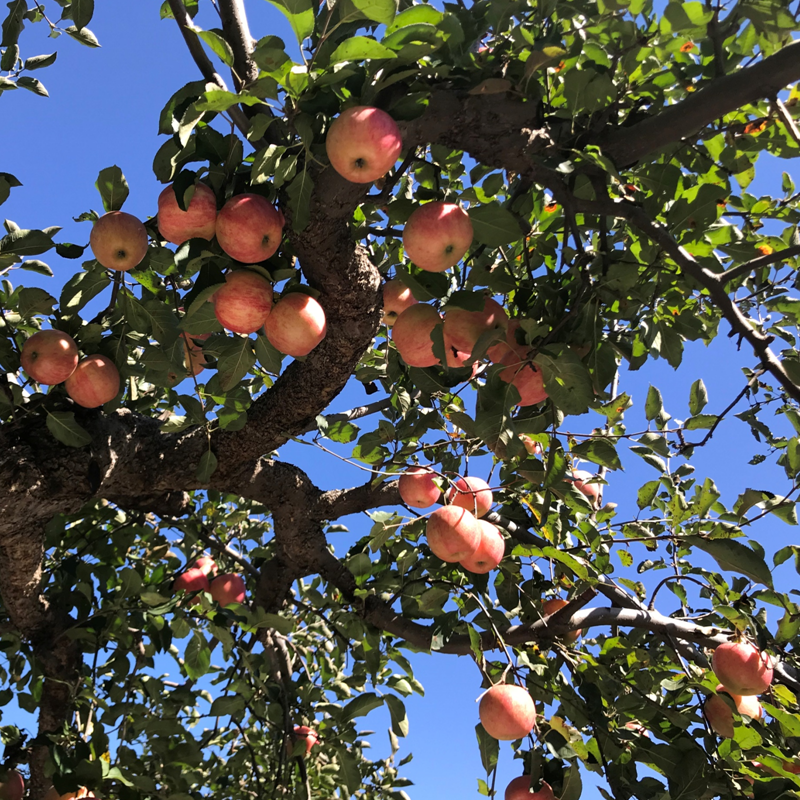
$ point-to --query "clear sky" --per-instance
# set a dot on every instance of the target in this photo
(103, 109)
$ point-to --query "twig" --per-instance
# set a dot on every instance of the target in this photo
(786, 119)
(757, 263)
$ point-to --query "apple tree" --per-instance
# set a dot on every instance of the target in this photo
(543, 196)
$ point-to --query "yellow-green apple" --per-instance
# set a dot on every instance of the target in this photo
(193, 356)
(417, 487)
(437, 235)
(520, 789)
(507, 712)
(302, 733)
(228, 588)
(742, 668)
(193, 580)
(118, 241)
(363, 144)
(397, 297)
(463, 328)
(199, 221)
(594, 491)
(205, 564)
(550, 607)
(526, 378)
(473, 494)
(411, 335)
(296, 324)
(243, 304)
(453, 533)
(249, 228)
(719, 713)
(12, 787)
(49, 357)
(509, 346)
(94, 382)
(490, 552)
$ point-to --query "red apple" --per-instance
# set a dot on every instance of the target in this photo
(526, 378)
(473, 494)
(417, 487)
(243, 304)
(397, 297)
(720, 716)
(193, 580)
(453, 533)
(742, 668)
(302, 733)
(363, 144)
(507, 712)
(510, 346)
(118, 241)
(490, 552)
(594, 491)
(411, 335)
(520, 789)
(249, 228)
(296, 324)
(199, 221)
(228, 588)
(463, 328)
(437, 235)
(532, 446)
(550, 607)
(49, 357)
(205, 564)
(52, 794)
(94, 382)
(13, 787)
(193, 356)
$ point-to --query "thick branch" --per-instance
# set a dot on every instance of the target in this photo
(340, 502)
(237, 34)
(758, 263)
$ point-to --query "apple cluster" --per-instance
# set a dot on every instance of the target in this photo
(224, 589)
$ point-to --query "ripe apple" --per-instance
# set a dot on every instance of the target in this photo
(302, 733)
(199, 221)
(720, 716)
(52, 794)
(397, 297)
(463, 328)
(411, 335)
(437, 235)
(249, 228)
(526, 377)
(13, 787)
(510, 346)
(228, 588)
(490, 552)
(417, 487)
(363, 144)
(532, 446)
(193, 580)
(193, 356)
(94, 382)
(453, 533)
(243, 304)
(742, 668)
(550, 607)
(118, 241)
(520, 789)
(594, 491)
(507, 712)
(205, 564)
(296, 324)
(49, 357)
(473, 494)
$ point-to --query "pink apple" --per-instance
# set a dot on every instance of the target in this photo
(411, 335)
(249, 228)
(193, 580)
(302, 733)
(507, 712)
(228, 588)
(199, 221)
(437, 235)
(720, 716)
(531, 445)
(453, 533)
(243, 304)
(205, 564)
(118, 241)
(510, 346)
(473, 494)
(193, 356)
(463, 328)
(594, 491)
(363, 144)
(52, 794)
(397, 297)
(526, 378)
(490, 552)
(520, 788)
(13, 787)
(417, 487)
(94, 382)
(296, 324)
(49, 357)
(550, 607)
(742, 668)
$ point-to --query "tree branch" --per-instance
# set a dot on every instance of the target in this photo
(758, 263)
(237, 34)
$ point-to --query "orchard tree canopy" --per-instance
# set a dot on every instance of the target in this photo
(583, 167)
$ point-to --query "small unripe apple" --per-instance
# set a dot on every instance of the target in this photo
(193, 580)
(302, 733)
(453, 533)
(594, 491)
(463, 328)
(507, 712)
(411, 335)
(417, 487)
(49, 357)
(228, 588)
(397, 297)
(437, 235)
(243, 304)
(550, 607)
(473, 494)
(205, 564)
(13, 787)
(526, 377)
(193, 356)
(199, 221)
(94, 382)
(363, 144)
(249, 228)
(118, 241)
(742, 668)
(296, 324)
(720, 716)
(520, 789)
(490, 551)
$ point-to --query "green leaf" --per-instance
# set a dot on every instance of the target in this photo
(33, 300)
(734, 556)
(39, 267)
(568, 561)
(269, 358)
(382, 11)
(197, 657)
(599, 451)
(63, 426)
(566, 379)
(82, 287)
(300, 14)
(130, 582)
(236, 360)
(23, 242)
(225, 706)
(653, 405)
(206, 467)
(647, 494)
(13, 23)
(217, 44)
(361, 705)
(84, 36)
(494, 225)
(82, 11)
(489, 748)
(299, 191)
(32, 85)
(397, 710)
(38, 62)
(113, 188)
(360, 48)
(349, 772)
